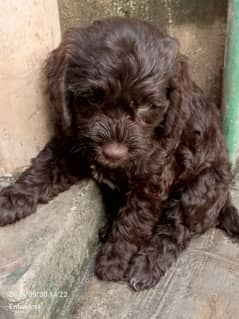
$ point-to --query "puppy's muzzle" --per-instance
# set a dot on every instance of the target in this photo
(115, 152)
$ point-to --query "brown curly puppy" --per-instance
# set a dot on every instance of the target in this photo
(128, 114)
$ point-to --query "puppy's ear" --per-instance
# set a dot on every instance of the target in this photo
(179, 91)
(168, 52)
(55, 70)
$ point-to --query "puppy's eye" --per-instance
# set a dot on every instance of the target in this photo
(92, 97)
(97, 96)
(145, 106)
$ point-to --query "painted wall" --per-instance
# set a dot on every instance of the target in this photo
(29, 29)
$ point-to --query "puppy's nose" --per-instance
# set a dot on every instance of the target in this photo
(115, 151)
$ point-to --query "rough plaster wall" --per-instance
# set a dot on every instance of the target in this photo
(29, 29)
(199, 25)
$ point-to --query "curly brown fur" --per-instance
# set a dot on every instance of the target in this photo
(128, 114)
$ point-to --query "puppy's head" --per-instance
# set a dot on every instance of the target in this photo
(118, 86)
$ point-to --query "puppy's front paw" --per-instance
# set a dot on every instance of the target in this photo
(7, 211)
(110, 265)
(113, 260)
(13, 207)
(141, 274)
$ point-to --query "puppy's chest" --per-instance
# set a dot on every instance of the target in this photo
(114, 179)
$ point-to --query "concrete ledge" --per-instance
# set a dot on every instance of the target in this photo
(42, 255)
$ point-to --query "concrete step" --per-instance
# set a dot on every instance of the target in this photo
(42, 255)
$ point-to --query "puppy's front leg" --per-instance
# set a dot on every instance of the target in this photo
(51, 172)
(153, 260)
(132, 228)
(196, 211)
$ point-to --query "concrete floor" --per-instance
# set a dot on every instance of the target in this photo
(203, 284)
